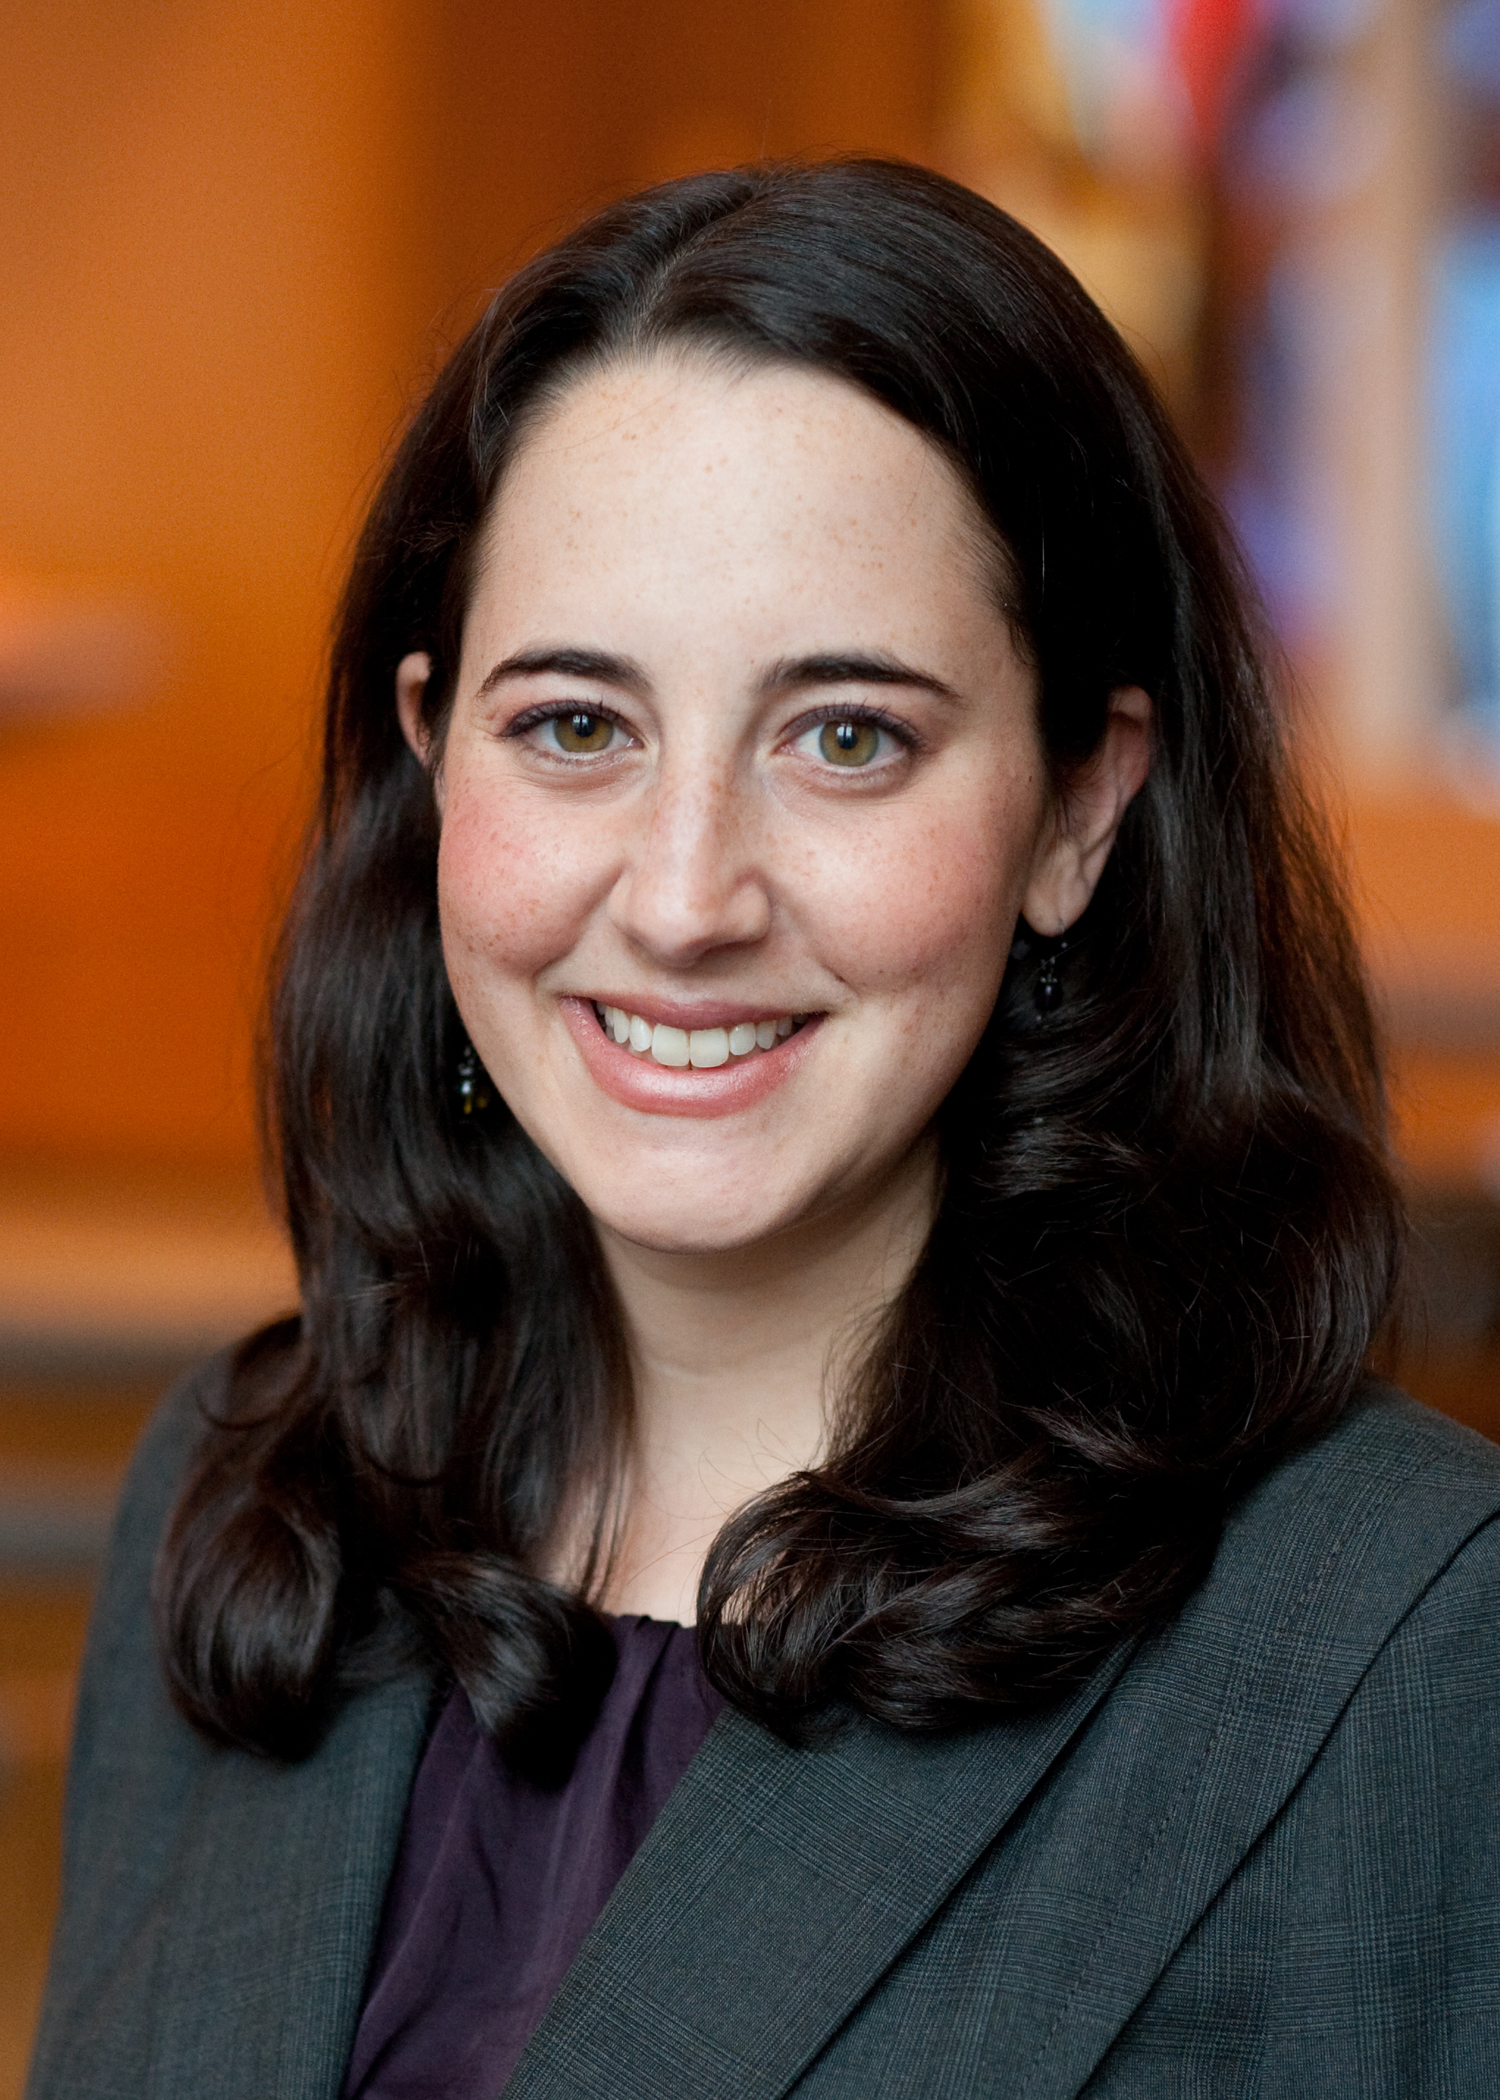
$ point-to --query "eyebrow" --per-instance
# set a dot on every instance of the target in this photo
(850, 668)
(857, 668)
(568, 663)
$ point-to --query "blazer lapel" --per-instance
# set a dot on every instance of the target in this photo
(779, 1886)
(775, 1889)
(273, 1906)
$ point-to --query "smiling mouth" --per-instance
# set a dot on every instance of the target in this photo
(701, 1049)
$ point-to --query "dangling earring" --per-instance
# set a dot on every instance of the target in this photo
(1048, 993)
(473, 1092)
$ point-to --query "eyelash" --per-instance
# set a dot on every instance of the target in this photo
(559, 711)
(877, 717)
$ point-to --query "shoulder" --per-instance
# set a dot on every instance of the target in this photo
(203, 1399)
(1302, 1781)
(1382, 1528)
(1385, 1436)
(158, 1959)
(170, 1441)
(122, 1700)
(1387, 1498)
(1386, 1433)
(1434, 1499)
(121, 1675)
(135, 1761)
(120, 1638)
(134, 1758)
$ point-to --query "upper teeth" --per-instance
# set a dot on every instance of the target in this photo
(702, 1048)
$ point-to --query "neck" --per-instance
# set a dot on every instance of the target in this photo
(734, 1357)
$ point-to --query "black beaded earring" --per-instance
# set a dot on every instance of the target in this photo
(1048, 993)
(473, 1087)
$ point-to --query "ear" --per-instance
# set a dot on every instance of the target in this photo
(1076, 844)
(412, 674)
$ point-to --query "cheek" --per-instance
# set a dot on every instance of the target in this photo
(510, 891)
(927, 908)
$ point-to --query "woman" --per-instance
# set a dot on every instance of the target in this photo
(825, 1096)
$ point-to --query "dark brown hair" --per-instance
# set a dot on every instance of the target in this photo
(1168, 1233)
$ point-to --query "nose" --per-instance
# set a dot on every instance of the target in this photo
(691, 883)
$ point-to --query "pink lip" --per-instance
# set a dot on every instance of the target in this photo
(656, 1090)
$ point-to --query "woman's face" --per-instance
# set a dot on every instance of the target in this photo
(742, 767)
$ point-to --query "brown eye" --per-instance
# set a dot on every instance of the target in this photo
(582, 732)
(849, 743)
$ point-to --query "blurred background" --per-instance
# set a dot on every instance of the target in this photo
(236, 242)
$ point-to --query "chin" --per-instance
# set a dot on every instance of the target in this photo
(708, 1232)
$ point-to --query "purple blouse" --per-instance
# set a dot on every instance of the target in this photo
(498, 1881)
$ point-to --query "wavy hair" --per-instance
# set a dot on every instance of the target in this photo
(1168, 1233)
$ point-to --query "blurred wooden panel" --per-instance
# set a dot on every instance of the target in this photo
(543, 110)
(1426, 874)
(1447, 1116)
(108, 1271)
(207, 296)
(41, 1641)
(238, 237)
(1462, 1383)
(1427, 870)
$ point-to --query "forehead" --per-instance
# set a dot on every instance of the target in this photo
(683, 470)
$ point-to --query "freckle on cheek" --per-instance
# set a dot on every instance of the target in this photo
(501, 894)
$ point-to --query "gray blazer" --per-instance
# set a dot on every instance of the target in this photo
(1256, 1855)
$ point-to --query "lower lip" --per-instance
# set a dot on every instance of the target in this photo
(660, 1090)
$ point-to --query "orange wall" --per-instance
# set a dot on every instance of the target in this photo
(236, 238)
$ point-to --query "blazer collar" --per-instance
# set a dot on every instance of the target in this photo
(778, 1886)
